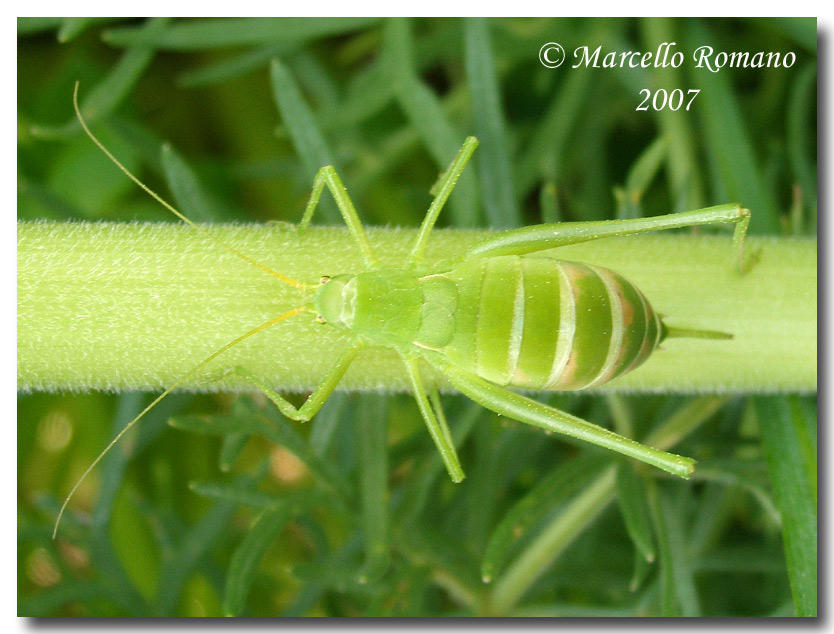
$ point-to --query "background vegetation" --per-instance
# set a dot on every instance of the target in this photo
(229, 509)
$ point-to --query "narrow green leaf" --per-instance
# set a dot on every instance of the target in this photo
(210, 33)
(190, 196)
(801, 135)
(248, 555)
(371, 437)
(677, 522)
(319, 82)
(367, 94)
(246, 418)
(544, 155)
(739, 175)
(304, 132)
(217, 425)
(114, 464)
(802, 30)
(240, 494)
(631, 496)
(645, 168)
(668, 599)
(282, 432)
(423, 482)
(29, 25)
(230, 68)
(73, 27)
(549, 203)
(427, 114)
(685, 171)
(559, 533)
(103, 98)
(331, 415)
(230, 449)
(493, 156)
(189, 552)
(788, 438)
(547, 495)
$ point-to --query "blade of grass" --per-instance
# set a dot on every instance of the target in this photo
(30, 25)
(686, 178)
(677, 500)
(639, 177)
(371, 427)
(668, 599)
(195, 35)
(728, 140)
(230, 449)
(304, 132)
(190, 197)
(331, 415)
(426, 113)
(553, 539)
(633, 502)
(493, 156)
(544, 155)
(104, 97)
(802, 30)
(231, 68)
(801, 137)
(546, 496)
(788, 438)
(188, 553)
(250, 552)
(73, 27)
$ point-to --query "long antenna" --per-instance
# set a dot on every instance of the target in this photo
(176, 384)
(170, 207)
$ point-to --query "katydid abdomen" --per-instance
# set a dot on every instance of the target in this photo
(547, 324)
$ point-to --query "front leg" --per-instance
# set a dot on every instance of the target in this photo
(442, 189)
(550, 236)
(327, 176)
(318, 397)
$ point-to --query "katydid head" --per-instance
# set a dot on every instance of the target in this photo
(334, 300)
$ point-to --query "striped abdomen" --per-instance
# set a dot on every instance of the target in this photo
(540, 323)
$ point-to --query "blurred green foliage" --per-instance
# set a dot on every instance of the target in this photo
(233, 510)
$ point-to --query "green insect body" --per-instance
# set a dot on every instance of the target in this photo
(521, 321)
(501, 316)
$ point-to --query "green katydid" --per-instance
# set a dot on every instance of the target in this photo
(500, 316)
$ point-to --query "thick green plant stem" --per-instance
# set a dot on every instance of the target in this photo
(136, 306)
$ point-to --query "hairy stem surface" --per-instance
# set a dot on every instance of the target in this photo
(136, 306)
